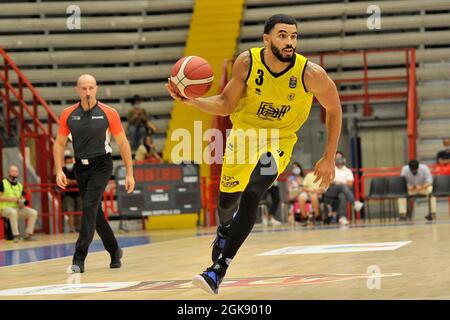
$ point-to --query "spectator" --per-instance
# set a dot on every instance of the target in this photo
(339, 154)
(340, 191)
(274, 192)
(295, 185)
(147, 151)
(443, 157)
(138, 124)
(311, 192)
(71, 200)
(13, 205)
(420, 181)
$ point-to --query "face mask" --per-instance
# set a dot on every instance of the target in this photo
(340, 161)
(69, 166)
(13, 180)
(296, 171)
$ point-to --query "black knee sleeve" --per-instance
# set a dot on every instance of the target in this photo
(228, 206)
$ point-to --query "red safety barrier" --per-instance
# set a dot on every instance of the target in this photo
(61, 213)
(55, 212)
(51, 213)
(212, 188)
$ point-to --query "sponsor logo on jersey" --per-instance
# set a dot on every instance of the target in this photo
(293, 82)
(268, 112)
(76, 118)
(98, 117)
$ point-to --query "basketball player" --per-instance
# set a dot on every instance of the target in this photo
(270, 88)
(91, 124)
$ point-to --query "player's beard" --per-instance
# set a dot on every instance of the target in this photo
(277, 53)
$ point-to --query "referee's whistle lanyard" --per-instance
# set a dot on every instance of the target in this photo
(88, 112)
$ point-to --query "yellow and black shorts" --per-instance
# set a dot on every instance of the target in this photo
(242, 156)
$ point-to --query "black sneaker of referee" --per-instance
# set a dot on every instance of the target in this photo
(115, 259)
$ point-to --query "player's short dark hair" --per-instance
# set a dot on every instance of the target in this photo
(413, 165)
(278, 18)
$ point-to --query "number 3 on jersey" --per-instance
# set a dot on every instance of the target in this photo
(259, 81)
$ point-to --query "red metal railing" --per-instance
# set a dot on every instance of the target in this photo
(412, 107)
(14, 100)
(409, 92)
(50, 212)
(366, 96)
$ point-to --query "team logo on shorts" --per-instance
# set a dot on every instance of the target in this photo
(280, 152)
(229, 182)
(267, 111)
(293, 82)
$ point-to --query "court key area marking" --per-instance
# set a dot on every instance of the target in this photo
(139, 286)
(337, 248)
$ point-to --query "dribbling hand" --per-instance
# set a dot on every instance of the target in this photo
(61, 180)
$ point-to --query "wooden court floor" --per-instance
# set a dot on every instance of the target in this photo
(163, 268)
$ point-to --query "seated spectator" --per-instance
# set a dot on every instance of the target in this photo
(311, 192)
(147, 152)
(13, 205)
(443, 158)
(420, 181)
(340, 191)
(71, 200)
(274, 192)
(295, 186)
(138, 124)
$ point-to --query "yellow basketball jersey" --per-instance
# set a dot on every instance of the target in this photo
(278, 101)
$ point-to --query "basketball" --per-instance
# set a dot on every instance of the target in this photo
(192, 77)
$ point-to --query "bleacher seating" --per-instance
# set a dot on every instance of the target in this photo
(129, 47)
(329, 26)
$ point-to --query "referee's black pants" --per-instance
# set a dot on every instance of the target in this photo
(92, 180)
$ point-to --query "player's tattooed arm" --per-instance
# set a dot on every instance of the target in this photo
(224, 103)
(320, 84)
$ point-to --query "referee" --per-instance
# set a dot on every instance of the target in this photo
(91, 124)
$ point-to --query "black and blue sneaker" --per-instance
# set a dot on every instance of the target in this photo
(210, 279)
(219, 243)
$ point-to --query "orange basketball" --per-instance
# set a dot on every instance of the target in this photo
(192, 77)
